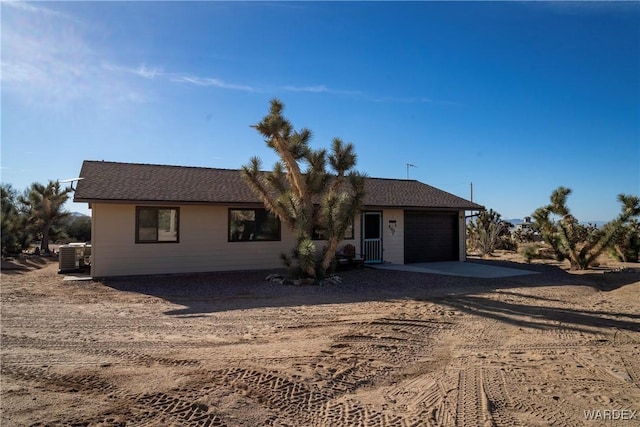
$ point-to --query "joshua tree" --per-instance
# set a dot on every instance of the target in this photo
(580, 244)
(324, 197)
(43, 207)
(486, 231)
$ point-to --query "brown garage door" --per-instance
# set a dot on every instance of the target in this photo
(430, 236)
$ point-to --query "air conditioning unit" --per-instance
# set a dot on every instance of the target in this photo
(71, 257)
(86, 260)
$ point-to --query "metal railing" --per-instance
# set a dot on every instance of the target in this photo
(372, 250)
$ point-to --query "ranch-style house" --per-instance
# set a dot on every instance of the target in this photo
(159, 219)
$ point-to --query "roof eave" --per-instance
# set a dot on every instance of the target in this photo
(254, 203)
(163, 202)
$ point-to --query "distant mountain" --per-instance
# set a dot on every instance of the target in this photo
(515, 221)
(598, 224)
(78, 214)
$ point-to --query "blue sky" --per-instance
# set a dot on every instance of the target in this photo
(518, 98)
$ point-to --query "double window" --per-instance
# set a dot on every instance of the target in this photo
(320, 235)
(253, 225)
(157, 225)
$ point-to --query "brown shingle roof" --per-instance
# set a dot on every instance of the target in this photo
(131, 182)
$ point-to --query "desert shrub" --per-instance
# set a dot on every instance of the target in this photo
(507, 242)
(533, 251)
(546, 252)
(529, 252)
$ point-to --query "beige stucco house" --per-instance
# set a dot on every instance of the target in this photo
(158, 219)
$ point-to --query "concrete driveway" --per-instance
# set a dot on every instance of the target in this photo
(456, 268)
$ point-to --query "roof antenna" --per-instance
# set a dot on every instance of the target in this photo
(71, 180)
(409, 165)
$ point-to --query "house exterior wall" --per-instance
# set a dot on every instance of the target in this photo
(203, 244)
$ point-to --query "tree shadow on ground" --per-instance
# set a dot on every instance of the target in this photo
(604, 278)
(203, 294)
(544, 311)
(25, 263)
(538, 316)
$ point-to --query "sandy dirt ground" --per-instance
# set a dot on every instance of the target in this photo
(385, 348)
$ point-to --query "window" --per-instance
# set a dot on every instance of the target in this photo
(348, 234)
(156, 225)
(253, 225)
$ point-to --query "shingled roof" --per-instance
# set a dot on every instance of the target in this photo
(132, 182)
